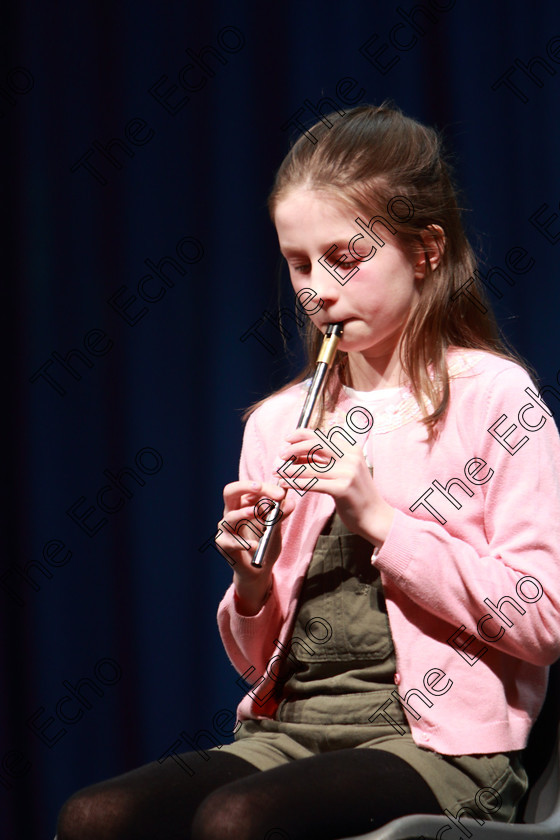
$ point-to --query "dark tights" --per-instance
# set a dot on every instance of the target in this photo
(328, 796)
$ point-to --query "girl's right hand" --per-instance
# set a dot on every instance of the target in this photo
(247, 501)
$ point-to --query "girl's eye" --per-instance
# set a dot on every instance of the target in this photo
(346, 264)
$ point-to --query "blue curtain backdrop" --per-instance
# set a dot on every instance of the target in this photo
(140, 142)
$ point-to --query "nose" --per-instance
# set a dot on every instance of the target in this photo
(327, 282)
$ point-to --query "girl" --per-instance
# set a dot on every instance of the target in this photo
(395, 642)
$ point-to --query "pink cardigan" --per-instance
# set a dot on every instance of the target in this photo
(472, 586)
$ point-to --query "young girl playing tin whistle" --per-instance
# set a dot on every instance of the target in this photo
(398, 689)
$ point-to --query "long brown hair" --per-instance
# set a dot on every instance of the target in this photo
(366, 159)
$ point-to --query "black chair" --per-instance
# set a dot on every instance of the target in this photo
(539, 812)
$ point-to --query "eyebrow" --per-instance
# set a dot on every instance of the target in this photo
(296, 252)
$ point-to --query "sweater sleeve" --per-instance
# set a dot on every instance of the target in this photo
(246, 637)
(481, 587)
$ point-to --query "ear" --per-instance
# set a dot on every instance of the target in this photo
(431, 250)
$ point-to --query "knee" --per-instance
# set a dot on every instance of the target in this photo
(94, 814)
(225, 815)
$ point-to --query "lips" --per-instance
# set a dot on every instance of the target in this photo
(342, 321)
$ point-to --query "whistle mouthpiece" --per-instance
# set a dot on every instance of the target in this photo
(330, 341)
(335, 329)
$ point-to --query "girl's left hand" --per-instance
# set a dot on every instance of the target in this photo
(359, 503)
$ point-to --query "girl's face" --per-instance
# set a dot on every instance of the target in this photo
(375, 302)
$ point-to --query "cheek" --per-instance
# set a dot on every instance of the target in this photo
(388, 294)
(309, 303)
(399, 279)
(298, 282)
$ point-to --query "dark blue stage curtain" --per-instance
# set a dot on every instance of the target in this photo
(140, 294)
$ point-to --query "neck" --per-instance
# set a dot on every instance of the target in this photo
(370, 373)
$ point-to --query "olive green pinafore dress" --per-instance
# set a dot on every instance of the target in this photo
(335, 679)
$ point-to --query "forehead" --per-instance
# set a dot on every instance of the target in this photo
(303, 202)
(302, 213)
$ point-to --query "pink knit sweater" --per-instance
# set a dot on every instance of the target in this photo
(470, 567)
